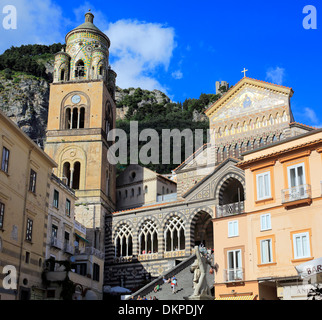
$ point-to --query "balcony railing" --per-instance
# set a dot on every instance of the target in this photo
(78, 226)
(93, 251)
(230, 209)
(55, 242)
(69, 249)
(296, 193)
(233, 275)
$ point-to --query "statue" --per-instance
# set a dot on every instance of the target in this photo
(199, 269)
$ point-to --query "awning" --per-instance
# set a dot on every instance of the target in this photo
(248, 297)
(77, 235)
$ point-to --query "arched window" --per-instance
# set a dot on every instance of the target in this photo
(72, 175)
(281, 136)
(68, 117)
(80, 69)
(245, 126)
(81, 122)
(249, 146)
(274, 138)
(264, 122)
(146, 189)
(100, 70)
(76, 176)
(284, 118)
(139, 191)
(132, 192)
(174, 234)
(271, 120)
(224, 153)
(261, 142)
(148, 237)
(230, 151)
(226, 131)
(242, 147)
(232, 130)
(236, 151)
(66, 173)
(123, 241)
(108, 118)
(62, 75)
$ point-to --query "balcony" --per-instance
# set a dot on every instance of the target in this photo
(56, 243)
(230, 209)
(234, 275)
(68, 248)
(93, 251)
(79, 227)
(297, 195)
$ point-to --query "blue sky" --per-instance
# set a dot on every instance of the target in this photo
(184, 47)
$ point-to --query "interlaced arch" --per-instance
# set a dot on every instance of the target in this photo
(174, 234)
(148, 237)
(123, 241)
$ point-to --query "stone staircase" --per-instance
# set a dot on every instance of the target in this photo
(184, 280)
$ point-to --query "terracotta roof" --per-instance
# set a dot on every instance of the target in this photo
(150, 206)
(304, 125)
(306, 144)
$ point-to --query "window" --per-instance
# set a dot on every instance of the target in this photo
(233, 228)
(56, 199)
(54, 232)
(27, 258)
(301, 244)
(1, 214)
(296, 176)
(29, 229)
(235, 271)
(263, 185)
(266, 251)
(96, 272)
(266, 222)
(67, 207)
(146, 189)
(5, 159)
(80, 268)
(32, 182)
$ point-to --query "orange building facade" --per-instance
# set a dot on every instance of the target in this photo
(257, 251)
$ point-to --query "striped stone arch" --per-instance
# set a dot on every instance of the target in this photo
(224, 180)
(195, 214)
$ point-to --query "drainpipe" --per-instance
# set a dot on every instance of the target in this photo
(23, 220)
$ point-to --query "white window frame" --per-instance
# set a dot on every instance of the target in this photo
(266, 193)
(308, 246)
(266, 222)
(233, 230)
(234, 271)
(269, 259)
(295, 167)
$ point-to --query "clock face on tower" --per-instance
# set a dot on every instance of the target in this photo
(76, 99)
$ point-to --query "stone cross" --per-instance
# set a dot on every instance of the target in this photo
(245, 70)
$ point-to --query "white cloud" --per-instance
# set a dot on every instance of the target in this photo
(311, 115)
(177, 75)
(138, 50)
(39, 21)
(276, 75)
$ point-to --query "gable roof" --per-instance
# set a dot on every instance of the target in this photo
(239, 85)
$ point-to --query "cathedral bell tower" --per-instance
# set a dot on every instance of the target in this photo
(81, 114)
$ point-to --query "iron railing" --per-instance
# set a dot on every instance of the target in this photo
(296, 193)
(230, 209)
(233, 275)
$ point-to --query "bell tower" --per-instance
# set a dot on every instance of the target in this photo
(81, 114)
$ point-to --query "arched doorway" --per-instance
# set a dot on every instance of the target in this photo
(202, 230)
(231, 197)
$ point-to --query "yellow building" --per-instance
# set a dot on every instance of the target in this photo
(81, 114)
(24, 196)
(258, 251)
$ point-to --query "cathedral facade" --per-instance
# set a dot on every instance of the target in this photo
(144, 222)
